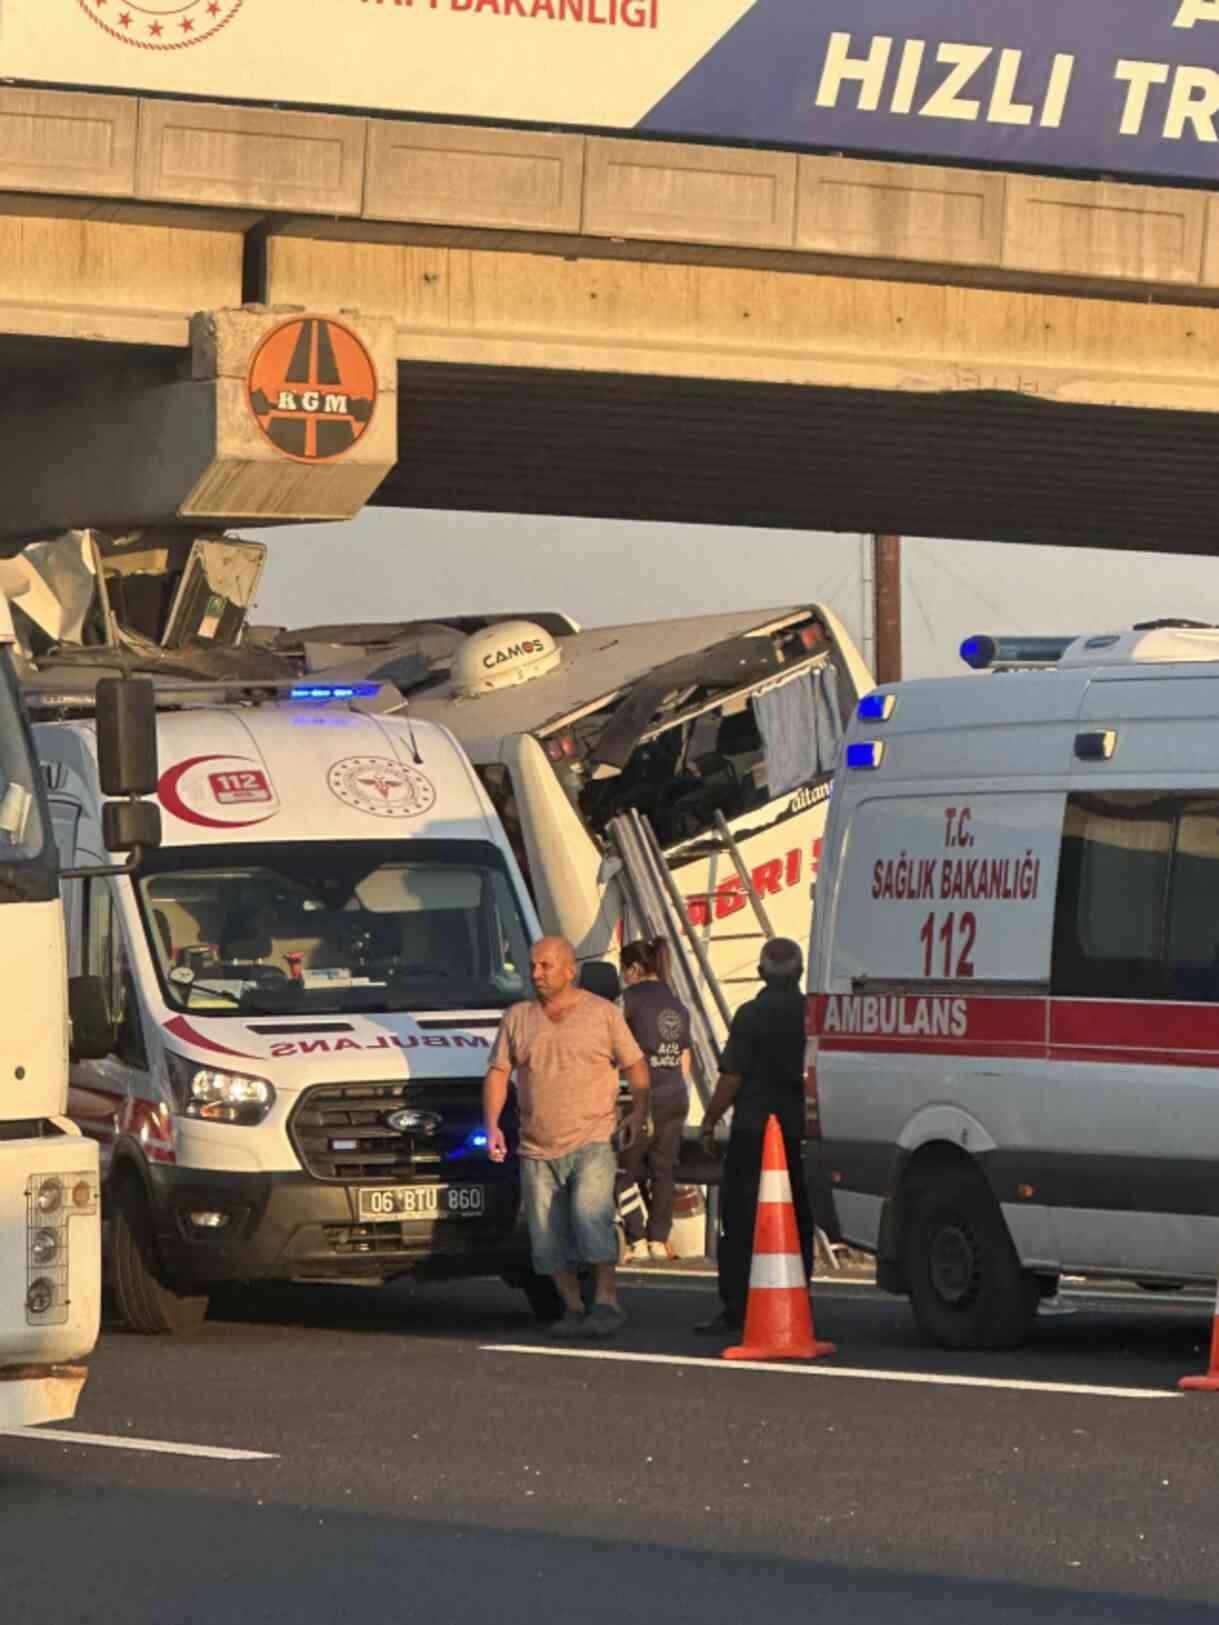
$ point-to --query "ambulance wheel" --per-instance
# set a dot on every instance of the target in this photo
(967, 1289)
(144, 1303)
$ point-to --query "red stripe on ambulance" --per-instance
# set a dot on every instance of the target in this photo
(1117, 1031)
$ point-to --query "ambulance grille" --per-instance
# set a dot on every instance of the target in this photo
(340, 1134)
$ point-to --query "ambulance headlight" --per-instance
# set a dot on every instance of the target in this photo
(216, 1095)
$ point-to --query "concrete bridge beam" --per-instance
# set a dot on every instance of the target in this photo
(228, 434)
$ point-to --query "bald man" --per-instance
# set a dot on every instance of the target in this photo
(567, 1050)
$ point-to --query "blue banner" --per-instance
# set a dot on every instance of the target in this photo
(1122, 87)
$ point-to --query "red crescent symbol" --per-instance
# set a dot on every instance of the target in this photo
(180, 1027)
(170, 796)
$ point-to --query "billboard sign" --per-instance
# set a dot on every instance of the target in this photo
(1094, 86)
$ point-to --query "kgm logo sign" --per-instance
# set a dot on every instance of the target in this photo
(161, 25)
(312, 388)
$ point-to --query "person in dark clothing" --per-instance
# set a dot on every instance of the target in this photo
(761, 1072)
(660, 1025)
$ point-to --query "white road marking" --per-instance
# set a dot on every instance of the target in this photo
(930, 1379)
(114, 1441)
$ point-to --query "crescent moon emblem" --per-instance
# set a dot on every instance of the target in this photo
(170, 796)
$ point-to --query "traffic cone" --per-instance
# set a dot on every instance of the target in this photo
(1208, 1384)
(779, 1313)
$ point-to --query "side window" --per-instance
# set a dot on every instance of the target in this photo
(73, 894)
(684, 776)
(65, 815)
(1113, 886)
(1191, 939)
(106, 956)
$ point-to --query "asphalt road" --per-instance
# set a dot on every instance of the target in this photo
(418, 1468)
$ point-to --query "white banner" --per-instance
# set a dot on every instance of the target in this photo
(579, 62)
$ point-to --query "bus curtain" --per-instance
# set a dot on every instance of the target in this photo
(801, 727)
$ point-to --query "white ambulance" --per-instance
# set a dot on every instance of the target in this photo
(302, 988)
(1015, 977)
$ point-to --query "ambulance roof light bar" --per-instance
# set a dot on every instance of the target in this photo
(986, 653)
(175, 694)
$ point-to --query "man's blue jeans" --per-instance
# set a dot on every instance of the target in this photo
(569, 1202)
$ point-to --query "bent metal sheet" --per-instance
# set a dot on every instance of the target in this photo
(1121, 87)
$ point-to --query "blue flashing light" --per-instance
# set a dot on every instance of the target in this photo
(335, 691)
(978, 653)
(474, 1144)
(876, 707)
(984, 652)
(865, 753)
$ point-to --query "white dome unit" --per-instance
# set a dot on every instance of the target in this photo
(503, 656)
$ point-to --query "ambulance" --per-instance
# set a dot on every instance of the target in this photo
(302, 987)
(1014, 1061)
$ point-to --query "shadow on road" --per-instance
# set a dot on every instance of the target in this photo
(202, 1560)
(1126, 1344)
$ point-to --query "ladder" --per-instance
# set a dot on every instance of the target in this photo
(658, 908)
(655, 907)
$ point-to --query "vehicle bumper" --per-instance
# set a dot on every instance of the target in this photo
(32, 1394)
(289, 1226)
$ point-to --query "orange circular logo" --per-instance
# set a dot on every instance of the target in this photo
(313, 388)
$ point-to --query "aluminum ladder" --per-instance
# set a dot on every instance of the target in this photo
(655, 903)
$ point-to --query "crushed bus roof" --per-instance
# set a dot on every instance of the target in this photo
(596, 665)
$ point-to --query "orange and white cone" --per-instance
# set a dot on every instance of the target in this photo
(779, 1313)
(1210, 1382)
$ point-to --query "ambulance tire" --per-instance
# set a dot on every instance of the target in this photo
(967, 1289)
(144, 1303)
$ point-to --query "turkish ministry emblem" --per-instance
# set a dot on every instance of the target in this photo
(161, 25)
(313, 388)
(381, 786)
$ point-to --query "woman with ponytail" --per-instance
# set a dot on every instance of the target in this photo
(660, 1024)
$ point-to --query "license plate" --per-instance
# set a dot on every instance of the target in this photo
(422, 1202)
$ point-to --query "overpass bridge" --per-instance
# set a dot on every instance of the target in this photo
(538, 298)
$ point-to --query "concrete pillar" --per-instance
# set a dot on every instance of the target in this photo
(276, 415)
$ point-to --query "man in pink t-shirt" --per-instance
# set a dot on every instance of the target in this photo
(567, 1050)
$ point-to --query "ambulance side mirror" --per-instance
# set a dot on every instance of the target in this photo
(127, 762)
(93, 1033)
(129, 825)
(126, 736)
(126, 731)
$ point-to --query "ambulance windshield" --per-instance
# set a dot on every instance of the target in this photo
(316, 928)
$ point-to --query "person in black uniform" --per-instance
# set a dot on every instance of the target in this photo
(660, 1024)
(761, 1072)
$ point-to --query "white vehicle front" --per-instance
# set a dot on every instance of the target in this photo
(50, 1292)
(304, 984)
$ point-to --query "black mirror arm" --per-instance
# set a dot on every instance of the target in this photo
(106, 871)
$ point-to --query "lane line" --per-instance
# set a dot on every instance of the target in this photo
(114, 1441)
(929, 1379)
